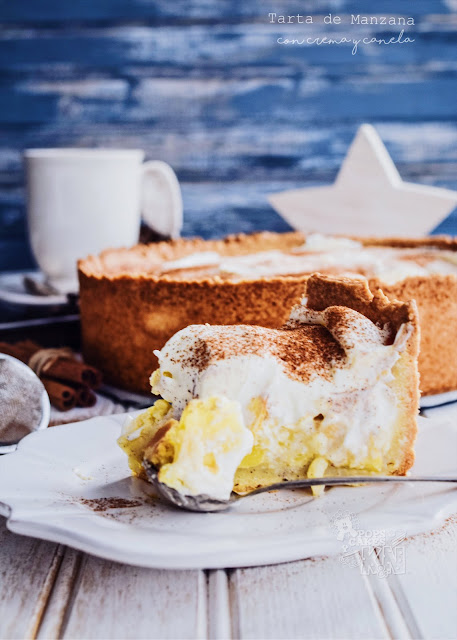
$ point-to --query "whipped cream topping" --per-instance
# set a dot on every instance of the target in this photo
(324, 254)
(326, 376)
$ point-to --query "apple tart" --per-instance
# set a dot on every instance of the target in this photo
(134, 300)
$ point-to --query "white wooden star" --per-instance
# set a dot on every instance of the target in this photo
(368, 197)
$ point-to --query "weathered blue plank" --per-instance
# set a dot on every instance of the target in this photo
(15, 254)
(166, 103)
(211, 47)
(192, 10)
(16, 107)
(261, 151)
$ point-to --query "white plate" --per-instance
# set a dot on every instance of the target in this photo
(13, 291)
(129, 398)
(427, 402)
(71, 484)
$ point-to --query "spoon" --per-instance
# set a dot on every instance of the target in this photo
(24, 403)
(206, 504)
(38, 288)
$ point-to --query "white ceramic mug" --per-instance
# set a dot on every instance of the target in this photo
(81, 201)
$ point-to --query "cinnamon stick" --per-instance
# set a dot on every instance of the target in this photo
(14, 350)
(85, 397)
(68, 369)
(61, 396)
(74, 371)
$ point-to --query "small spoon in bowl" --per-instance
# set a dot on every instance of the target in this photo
(206, 504)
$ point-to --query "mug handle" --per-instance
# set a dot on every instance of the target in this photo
(161, 200)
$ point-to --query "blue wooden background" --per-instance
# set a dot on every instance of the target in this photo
(203, 85)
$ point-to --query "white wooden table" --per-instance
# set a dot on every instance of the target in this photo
(50, 591)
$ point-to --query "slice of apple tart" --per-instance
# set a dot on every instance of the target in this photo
(333, 392)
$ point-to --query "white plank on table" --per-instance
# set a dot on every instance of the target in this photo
(219, 610)
(110, 600)
(59, 603)
(27, 571)
(390, 609)
(314, 598)
(427, 591)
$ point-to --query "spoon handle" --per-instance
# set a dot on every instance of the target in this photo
(310, 482)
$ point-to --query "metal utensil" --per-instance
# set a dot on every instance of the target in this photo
(24, 403)
(207, 504)
(39, 288)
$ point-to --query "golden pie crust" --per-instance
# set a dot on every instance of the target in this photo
(127, 313)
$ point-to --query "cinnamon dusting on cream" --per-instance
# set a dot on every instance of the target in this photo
(302, 352)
